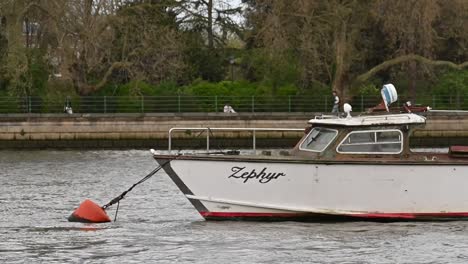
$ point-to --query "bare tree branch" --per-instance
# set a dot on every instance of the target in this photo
(105, 78)
(409, 57)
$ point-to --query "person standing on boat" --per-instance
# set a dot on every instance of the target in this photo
(336, 103)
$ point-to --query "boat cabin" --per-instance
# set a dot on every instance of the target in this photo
(377, 137)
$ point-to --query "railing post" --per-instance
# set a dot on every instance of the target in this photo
(170, 140)
(105, 104)
(254, 141)
(253, 104)
(289, 103)
(178, 103)
(362, 103)
(216, 104)
(207, 139)
(29, 104)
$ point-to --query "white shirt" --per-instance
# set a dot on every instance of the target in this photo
(337, 100)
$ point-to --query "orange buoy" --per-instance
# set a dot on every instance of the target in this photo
(89, 212)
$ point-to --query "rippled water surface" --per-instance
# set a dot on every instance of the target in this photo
(156, 224)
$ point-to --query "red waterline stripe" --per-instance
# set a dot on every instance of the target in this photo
(248, 214)
(370, 215)
(411, 215)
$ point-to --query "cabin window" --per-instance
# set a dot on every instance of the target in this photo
(318, 139)
(372, 142)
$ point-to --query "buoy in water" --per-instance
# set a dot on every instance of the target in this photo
(89, 212)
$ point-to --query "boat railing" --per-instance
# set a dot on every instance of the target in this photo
(386, 117)
(326, 116)
(208, 131)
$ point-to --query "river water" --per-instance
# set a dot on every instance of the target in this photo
(156, 224)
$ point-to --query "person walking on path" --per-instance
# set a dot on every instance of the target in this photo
(336, 103)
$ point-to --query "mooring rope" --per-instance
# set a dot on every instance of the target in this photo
(220, 150)
(117, 199)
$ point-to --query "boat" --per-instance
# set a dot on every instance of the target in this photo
(343, 168)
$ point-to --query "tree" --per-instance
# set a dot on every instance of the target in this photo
(16, 61)
(99, 41)
(25, 63)
(217, 18)
(338, 42)
(147, 40)
(321, 35)
(408, 29)
(208, 25)
(416, 32)
(3, 53)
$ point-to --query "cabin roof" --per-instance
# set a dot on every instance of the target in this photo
(370, 120)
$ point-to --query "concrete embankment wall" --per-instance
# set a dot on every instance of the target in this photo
(151, 130)
(443, 129)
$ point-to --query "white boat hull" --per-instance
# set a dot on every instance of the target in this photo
(254, 189)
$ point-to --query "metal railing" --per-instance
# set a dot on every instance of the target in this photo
(183, 104)
(208, 131)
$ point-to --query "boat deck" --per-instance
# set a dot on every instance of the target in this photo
(418, 158)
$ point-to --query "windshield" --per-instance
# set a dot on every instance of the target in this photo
(318, 139)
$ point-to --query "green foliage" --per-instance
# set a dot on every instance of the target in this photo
(368, 89)
(237, 88)
(3, 56)
(11, 105)
(316, 89)
(32, 78)
(452, 82)
(284, 49)
(207, 64)
(273, 70)
(204, 88)
(239, 94)
(38, 71)
(60, 88)
(146, 40)
(135, 88)
(451, 90)
(139, 88)
(53, 99)
(287, 90)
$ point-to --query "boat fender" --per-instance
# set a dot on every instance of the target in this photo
(89, 212)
